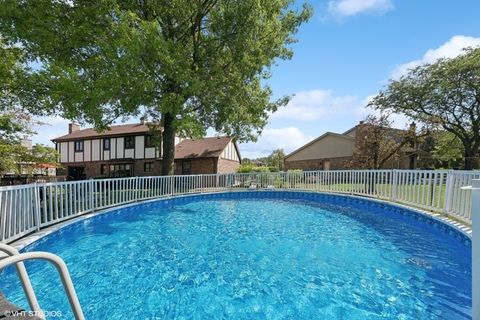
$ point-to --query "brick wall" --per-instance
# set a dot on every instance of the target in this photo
(227, 166)
(197, 166)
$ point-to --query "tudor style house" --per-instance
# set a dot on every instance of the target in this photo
(130, 150)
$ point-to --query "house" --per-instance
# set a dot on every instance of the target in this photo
(334, 151)
(131, 150)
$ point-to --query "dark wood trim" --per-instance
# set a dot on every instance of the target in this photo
(68, 151)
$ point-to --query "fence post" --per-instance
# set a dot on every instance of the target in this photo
(447, 201)
(92, 195)
(36, 196)
(137, 191)
(393, 191)
(475, 214)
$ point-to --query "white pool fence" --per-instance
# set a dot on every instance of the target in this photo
(27, 208)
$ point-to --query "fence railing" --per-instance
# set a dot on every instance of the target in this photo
(27, 208)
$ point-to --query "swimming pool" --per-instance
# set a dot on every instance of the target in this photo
(257, 255)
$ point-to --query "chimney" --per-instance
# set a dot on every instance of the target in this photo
(72, 127)
(143, 120)
(413, 126)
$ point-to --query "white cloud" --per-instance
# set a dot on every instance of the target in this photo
(288, 139)
(450, 49)
(318, 104)
(52, 127)
(347, 8)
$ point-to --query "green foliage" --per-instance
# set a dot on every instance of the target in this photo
(448, 149)
(274, 161)
(381, 143)
(248, 168)
(192, 65)
(443, 94)
(16, 156)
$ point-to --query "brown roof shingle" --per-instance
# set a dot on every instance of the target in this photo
(201, 148)
(123, 129)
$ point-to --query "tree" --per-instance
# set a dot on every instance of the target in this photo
(38, 155)
(188, 64)
(447, 149)
(14, 121)
(275, 160)
(381, 143)
(443, 94)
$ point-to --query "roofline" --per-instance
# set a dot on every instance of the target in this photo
(238, 150)
(114, 135)
(318, 139)
(350, 130)
(104, 134)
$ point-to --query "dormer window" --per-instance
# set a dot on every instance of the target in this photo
(78, 146)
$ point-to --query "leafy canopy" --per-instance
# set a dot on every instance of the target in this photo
(443, 94)
(202, 61)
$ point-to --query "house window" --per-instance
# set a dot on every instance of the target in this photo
(121, 170)
(104, 169)
(78, 146)
(149, 141)
(129, 142)
(148, 167)
(106, 144)
(187, 167)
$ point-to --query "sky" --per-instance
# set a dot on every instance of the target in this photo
(344, 56)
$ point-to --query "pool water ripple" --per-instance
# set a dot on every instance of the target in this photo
(254, 257)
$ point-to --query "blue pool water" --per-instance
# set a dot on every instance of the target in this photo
(257, 255)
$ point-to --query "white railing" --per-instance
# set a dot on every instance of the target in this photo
(27, 208)
(13, 257)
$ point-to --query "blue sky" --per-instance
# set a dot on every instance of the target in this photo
(344, 55)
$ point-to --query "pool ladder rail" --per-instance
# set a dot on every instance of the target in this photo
(14, 257)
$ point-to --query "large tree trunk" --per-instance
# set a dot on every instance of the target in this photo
(470, 159)
(168, 145)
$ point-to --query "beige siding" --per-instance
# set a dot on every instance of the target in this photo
(87, 150)
(149, 153)
(230, 152)
(63, 151)
(119, 148)
(129, 153)
(139, 147)
(71, 150)
(328, 147)
(79, 156)
(95, 150)
(352, 133)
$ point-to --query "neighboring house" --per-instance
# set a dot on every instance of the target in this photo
(31, 168)
(333, 151)
(130, 150)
